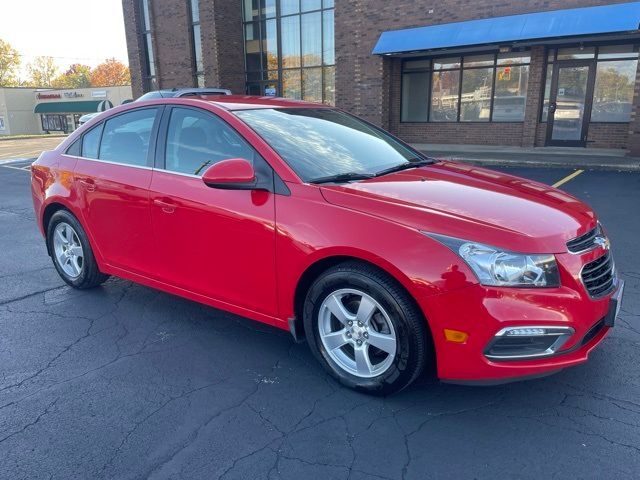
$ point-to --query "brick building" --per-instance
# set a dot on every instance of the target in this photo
(523, 73)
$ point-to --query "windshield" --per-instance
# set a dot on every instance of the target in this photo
(320, 142)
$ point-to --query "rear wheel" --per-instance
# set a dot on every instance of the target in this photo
(71, 253)
(365, 329)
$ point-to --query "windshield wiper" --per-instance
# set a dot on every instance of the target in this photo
(342, 177)
(413, 163)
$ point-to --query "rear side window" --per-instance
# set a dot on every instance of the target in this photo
(74, 149)
(126, 137)
(198, 139)
(91, 142)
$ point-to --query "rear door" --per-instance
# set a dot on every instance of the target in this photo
(112, 178)
(217, 243)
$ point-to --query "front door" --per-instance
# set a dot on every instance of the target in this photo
(213, 242)
(570, 103)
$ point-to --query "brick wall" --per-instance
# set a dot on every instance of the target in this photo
(222, 44)
(172, 43)
(134, 49)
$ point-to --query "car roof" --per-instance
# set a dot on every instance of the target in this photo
(248, 102)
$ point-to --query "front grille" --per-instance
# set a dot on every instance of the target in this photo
(583, 242)
(598, 276)
(592, 332)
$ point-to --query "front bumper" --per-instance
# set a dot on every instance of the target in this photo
(483, 312)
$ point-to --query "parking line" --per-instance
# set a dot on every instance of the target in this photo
(569, 177)
(24, 169)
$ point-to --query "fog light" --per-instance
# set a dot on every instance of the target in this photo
(521, 343)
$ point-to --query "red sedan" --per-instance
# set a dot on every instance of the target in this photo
(309, 219)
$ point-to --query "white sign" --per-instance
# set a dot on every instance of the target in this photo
(270, 91)
(2, 123)
(99, 94)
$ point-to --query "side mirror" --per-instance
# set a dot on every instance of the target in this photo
(231, 174)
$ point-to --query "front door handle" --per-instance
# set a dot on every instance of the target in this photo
(167, 207)
(88, 184)
(552, 107)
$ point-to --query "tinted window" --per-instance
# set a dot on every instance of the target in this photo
(323, 142)
(126, 137)
(197, 139)
(74, 149)
(90, 142)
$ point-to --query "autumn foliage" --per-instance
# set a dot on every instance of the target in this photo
(110, 73)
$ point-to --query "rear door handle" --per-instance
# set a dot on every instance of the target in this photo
(167, 206)
(88, 184)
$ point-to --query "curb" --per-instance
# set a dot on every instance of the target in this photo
(607, 166)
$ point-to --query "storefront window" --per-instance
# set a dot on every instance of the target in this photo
(510, 93)
(613, 92)
(477, 88)
(415, 96)
(292, 52)
(444, 96)
(615, 73)
(475, 104)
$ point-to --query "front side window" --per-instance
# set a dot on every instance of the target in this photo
(126, 137)
(321, 142)
(198, 139)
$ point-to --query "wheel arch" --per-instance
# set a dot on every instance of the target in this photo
(321, 265)
(55, 205)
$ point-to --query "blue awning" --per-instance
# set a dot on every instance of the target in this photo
(575, 22)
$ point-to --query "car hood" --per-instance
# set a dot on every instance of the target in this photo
(472, 203)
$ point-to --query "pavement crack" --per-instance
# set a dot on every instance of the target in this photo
(38, 418)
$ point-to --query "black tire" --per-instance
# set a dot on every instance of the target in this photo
(413, 345)
(90, 275)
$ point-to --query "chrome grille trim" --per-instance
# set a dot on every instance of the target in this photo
(598, 276)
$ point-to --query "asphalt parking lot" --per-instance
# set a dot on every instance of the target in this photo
(126, 382)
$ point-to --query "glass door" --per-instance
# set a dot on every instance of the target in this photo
(570, 103)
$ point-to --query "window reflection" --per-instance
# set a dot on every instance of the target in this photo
(444, 96)
(475, 101)
(306, 30)
(613, 92)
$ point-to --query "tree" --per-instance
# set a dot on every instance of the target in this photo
(77, 76)
(9, 65)
(41, 72)
(110, 73)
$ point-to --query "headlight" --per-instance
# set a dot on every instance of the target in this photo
(502, 268)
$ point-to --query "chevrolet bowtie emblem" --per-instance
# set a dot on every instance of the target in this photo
(602, 242)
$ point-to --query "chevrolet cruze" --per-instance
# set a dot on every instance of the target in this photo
(309, 219)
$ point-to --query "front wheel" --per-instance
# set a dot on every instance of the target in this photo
(365, 329)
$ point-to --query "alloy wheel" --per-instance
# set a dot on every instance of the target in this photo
(68, 249)
(357, 333)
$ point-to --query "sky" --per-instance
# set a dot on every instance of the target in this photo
(71, 31)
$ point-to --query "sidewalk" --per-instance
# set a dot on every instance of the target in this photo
(560, 157)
